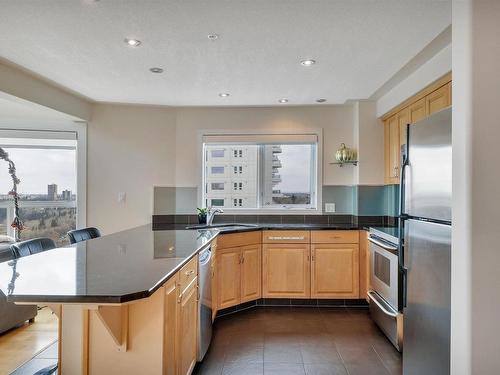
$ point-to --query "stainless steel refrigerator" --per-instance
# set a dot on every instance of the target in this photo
(426, 261)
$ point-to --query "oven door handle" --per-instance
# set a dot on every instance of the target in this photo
(375, 300)
(381, 244)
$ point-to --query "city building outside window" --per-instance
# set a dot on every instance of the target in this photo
(46, 164)
(260, 176)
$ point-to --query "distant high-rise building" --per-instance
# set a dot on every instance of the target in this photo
(66, 195)
(52, 192)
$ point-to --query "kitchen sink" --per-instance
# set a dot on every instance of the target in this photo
(222, 226)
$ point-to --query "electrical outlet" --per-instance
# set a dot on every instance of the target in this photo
(329, 207)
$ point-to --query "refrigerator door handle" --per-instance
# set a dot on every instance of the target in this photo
(402, 215)
(404, 272)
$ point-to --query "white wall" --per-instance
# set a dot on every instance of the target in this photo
(130, 149)
(336, 122)
(369, 141)
(433, 69)
(476, 181)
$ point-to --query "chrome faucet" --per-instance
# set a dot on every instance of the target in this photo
(211, 214)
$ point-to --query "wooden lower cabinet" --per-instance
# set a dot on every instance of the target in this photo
(228, 277)
(251, 273)
(171, 317)
(335, 271)
(239, 275)
(286, 271)
(187, 328)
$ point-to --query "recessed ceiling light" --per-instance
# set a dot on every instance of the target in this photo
(223, 94)
(156, 70)
(321, 100)
(308, 62)
(213, 36)
(282, 101)
(133, 42)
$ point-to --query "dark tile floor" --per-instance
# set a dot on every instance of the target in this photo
(302, 341)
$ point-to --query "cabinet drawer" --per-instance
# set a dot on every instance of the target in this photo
(238, 239)
(334, 236)
(285, 236)
(188, 273)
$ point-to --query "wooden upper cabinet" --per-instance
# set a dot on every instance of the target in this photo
(228, 277)
(188, 329)
(433, 98)
(403, 120)
(335, 271)
(439, 99)
(392, 147)
(251, 273)
(286, 271)
(418, 110)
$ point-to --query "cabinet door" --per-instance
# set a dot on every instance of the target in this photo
(392, 150)
(438, 99)
(228, 277)
(171, 315)
(418, 111)
(251, 273)
(187, 329)
(335, 271)
(403, 120)
(286, 271)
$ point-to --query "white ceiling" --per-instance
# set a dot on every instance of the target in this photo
(15, 110)
(359, 45)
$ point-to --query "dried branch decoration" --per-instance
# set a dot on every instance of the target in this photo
(17, 224)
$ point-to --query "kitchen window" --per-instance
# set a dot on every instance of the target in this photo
(268, 172)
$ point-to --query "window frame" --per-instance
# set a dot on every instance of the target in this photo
(80, 128)
(316, 178)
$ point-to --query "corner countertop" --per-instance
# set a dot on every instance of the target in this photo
(115, 268)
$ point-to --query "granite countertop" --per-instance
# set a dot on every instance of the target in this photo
(119, 267)
(248, 227)
(115, 268)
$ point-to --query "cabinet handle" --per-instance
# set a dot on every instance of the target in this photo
(189, 273)
(179, 300)
(274, 238)
(242, 259)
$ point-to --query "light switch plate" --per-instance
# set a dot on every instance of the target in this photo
(122, 197)
(329, 207)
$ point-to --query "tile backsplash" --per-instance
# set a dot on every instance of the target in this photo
(355, 200)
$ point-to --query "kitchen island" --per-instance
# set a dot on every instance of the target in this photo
(126, 302)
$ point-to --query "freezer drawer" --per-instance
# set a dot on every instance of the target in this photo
(427, 311)
(389, 320)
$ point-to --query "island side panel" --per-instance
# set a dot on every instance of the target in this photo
(144, 349)
(73, 340)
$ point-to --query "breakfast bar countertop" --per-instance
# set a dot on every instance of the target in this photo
(116, 268)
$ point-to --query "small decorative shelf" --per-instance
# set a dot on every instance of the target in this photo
(341, 163)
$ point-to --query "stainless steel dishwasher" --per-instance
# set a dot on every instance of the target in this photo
(205, 302)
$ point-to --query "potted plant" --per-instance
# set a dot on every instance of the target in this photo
(202, 215)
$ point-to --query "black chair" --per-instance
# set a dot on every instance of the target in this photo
(29, 247)
(79, 235)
